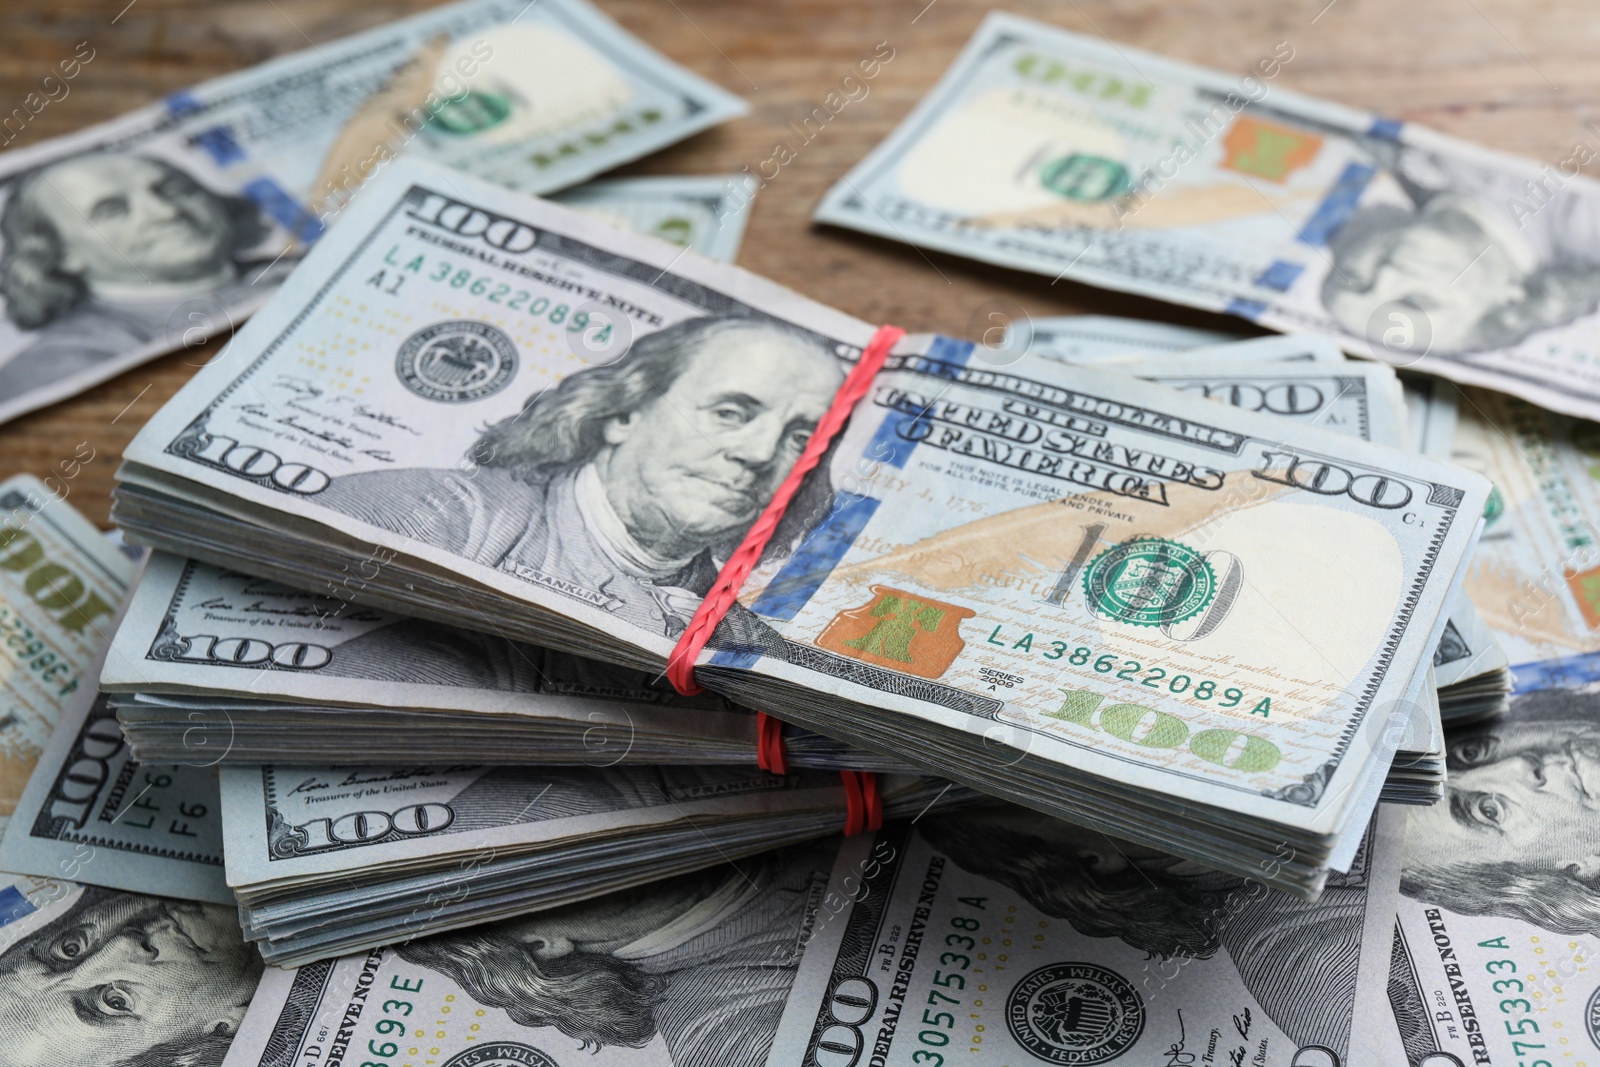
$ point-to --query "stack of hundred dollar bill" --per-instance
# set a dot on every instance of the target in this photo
(765, 934)
(323, 860)
(1204, 629)
(739, 959)
(372, 686)
(428, 531)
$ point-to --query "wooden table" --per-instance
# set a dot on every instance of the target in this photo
(1510, 74)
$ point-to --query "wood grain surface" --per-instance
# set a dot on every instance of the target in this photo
(1518, 75)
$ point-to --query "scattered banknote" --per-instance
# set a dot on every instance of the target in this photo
(990, 934)
(61, 582)
(92, 813)
(93, 975)
(1253, 700)
(169, 225)
(214, 666)
(330, 860)
(1499, 921)
(707, 214)
(1074, 157)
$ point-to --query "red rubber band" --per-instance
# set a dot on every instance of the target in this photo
(680, 665)
(770, 753)
(869, 788)
(863, 807)
(855, 815)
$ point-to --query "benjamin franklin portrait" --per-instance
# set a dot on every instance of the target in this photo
(100, 252)
(126, 980)
(703, 961)
(627, 485)
(1486, 263)
(1518, 833)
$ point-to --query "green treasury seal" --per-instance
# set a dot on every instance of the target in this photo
(1149, 581)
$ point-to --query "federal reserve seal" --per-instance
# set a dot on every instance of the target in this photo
(456, 361)
(1149, 581)
(1591, 1017)
(1075, 1013)
(501, 1054)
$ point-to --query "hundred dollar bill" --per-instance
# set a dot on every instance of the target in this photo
(61, 582)
(94, 975)
(707, 214)
(329, 860)
(1365, 401)
(962, 613)
(1049, 151)
(217, 666)
(92, 813)
(1362, 400)
(174, 222)
(957, 604)
(1496, 943)
(990, 934)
